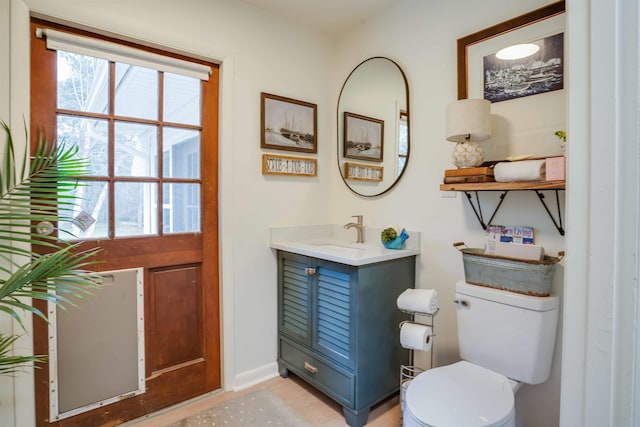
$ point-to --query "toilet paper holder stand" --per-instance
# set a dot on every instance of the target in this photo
(428, 322)
(409, 372)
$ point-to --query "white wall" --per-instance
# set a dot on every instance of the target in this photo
(421, 38)
(262, 53)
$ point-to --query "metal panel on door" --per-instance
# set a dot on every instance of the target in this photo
(97, 349)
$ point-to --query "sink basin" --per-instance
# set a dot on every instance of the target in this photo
(344, 252)
(332, 242)
(340, 247)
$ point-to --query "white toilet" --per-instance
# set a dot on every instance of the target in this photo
(505, 339)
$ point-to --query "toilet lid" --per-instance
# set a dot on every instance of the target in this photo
(461, 394)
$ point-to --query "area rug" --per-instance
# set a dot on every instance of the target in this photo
(257, 409)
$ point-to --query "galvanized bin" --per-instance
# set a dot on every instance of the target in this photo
(530, 277)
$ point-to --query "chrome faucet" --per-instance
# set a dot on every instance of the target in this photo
(358, 226)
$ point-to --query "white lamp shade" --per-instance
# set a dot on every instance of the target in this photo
(469, 120)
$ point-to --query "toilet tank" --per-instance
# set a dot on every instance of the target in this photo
(507, 332)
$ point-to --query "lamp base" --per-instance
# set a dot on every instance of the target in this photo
(467, 155)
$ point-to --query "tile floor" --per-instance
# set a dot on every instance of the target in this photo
(318, 409)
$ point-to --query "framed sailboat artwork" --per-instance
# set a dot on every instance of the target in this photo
(363, 137)
(288, 124)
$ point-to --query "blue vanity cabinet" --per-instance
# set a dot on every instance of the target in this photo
(338, 328)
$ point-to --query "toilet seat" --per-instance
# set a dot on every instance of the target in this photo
(461, 394)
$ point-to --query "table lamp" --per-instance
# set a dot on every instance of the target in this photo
(468, 121)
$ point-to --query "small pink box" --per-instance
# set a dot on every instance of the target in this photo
(554, 168)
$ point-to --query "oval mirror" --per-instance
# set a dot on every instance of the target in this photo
(373, 127)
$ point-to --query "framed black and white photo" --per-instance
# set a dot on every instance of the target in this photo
(521, 77)
(288, 124)
(363, 137)
(539, 72)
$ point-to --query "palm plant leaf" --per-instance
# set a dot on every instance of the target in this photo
(28, 196)
(36, 195)
(52, 277)
(39, 194)
(10, 364)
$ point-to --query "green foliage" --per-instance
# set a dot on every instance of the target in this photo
(10, 364)
(388, 234)
(29, 196)
(562, 135)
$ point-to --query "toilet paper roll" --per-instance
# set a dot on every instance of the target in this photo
(416, 337)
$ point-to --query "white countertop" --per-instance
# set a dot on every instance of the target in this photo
(330, 242)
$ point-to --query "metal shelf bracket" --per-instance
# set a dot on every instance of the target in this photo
(477, 208)
(558, 222)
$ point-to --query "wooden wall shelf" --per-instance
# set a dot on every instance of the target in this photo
(505, 187)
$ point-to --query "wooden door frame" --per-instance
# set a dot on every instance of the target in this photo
(43, 122)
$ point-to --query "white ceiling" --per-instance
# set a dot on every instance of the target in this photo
(332, 17)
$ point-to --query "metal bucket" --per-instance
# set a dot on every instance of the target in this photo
(530, 277)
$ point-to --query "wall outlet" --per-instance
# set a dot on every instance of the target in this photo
(448, 194)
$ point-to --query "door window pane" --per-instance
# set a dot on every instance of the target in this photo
(181, 153)
(122, 143)
(91, 138)
(136, 92)
(135, 208)
(136, 150)
(82, 83)
(181, 99)
(89, 218)
(181, 208)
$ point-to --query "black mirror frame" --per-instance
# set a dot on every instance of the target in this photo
(406, 85)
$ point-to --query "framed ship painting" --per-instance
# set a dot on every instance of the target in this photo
(363, 137)
(288, 124)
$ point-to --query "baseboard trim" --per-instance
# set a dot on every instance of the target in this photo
(256, 376)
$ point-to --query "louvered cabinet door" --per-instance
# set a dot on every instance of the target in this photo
(333, 332)
(338, 328)
(295, 297)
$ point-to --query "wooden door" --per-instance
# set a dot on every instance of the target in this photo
(146, 213)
